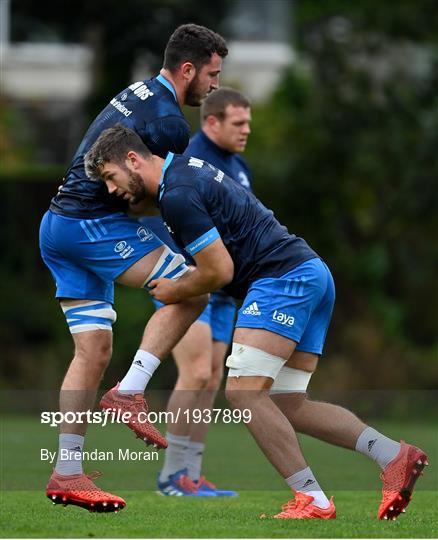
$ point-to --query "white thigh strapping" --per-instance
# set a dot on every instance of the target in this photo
(170, 264)
(90, 315)
(246, 361)
(290, 380)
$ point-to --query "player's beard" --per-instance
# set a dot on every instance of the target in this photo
(193, 96)
(136, 187)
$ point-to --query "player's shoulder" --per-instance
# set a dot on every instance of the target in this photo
(188, 172)
(241, 160)
(167, 134)
(197, 137)
(240, 164)
(184, 167)
(196, 144)
(151, 94)
(178, 186)
(153, 85)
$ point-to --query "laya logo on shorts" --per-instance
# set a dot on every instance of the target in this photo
(144, 234)
(252, 309)
(123, 249)
(283, 318)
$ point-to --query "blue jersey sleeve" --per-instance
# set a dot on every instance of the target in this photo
(188, 219)
(168, 134)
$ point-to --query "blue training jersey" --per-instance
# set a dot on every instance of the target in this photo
(199, 204)
(150, 109)
(233, 165)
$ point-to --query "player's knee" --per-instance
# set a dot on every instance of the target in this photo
(200, 372)
(198, 376)
(232, 395)
(96, 352)
(201, 378)
(103, 356)
(242, 397)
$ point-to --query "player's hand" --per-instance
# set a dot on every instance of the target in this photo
(164, 290)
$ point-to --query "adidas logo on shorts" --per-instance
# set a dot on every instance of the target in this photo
(252, 309)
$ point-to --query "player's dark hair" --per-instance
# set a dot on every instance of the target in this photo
(216, 102)
(113, 145)
(195, 44)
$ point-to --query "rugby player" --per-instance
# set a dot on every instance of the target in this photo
(88, 242)
(288, 297)
(225, 126)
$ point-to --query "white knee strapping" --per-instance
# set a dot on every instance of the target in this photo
(91, 315)
(170, 265)
(246, 361)
(290, 380)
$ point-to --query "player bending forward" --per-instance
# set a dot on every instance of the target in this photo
(288, 296)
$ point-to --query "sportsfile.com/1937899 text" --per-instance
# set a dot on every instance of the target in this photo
(115, 416)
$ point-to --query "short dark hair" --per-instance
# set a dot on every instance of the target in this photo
(216, 102)
(195, 44)
(113, 145)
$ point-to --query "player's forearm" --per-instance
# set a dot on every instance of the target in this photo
(196, 282)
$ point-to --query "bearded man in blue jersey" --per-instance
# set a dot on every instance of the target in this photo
(288, 297)
(88, 242)
(199, 356)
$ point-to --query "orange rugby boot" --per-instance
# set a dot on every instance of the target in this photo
(138, 417)
(302, 507)
(399, 478)
(80, 490)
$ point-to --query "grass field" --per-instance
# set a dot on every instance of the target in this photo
(232, 461)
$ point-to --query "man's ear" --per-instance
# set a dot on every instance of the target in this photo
(213, 123)
(132, 158)
(188, 71)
